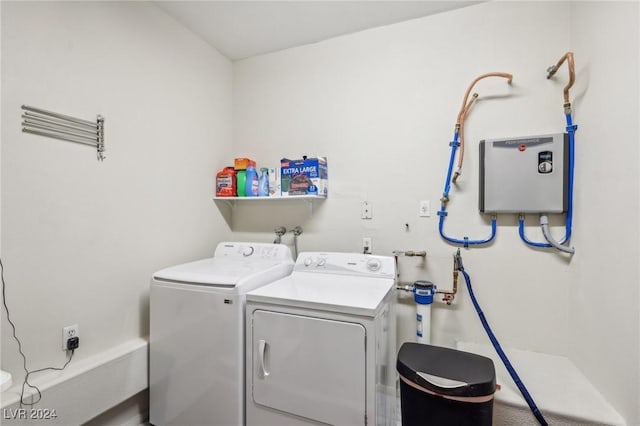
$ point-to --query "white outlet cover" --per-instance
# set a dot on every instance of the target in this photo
(366, 210)
(69, 332)
(366, 245)
(424, 208)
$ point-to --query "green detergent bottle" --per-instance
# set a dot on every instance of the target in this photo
(241, 179)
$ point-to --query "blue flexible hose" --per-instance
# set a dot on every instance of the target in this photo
(524, 238)
(512, 372)
(466, 242)
(454, 147)
(571, 128)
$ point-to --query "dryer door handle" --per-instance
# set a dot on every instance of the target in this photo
(263, 358)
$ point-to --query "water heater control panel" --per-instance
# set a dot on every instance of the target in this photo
(524, 174)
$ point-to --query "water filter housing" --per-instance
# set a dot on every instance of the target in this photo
(524, 174)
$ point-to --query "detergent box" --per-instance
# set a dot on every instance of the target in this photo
(307, 176)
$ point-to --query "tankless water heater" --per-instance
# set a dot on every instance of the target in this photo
(524, 174)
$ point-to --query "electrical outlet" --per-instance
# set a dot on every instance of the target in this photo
(366, 210)
(69, 332)
(366, 245)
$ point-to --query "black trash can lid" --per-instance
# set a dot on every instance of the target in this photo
(447, 371)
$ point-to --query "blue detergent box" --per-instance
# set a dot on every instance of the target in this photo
(304, 177)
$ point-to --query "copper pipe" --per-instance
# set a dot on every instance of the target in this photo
(572, 74)
(450, 295)
(464, 110)
(461, 134)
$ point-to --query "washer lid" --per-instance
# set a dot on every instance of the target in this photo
(216, 272)
(333, 293)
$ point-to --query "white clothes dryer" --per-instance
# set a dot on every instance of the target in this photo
(321, 343)
(197, 335)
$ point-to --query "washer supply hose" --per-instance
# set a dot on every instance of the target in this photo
(512, 372)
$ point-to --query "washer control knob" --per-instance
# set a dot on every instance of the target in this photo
(321, 262)
(307, 261)
(248, 251)
(373, 264)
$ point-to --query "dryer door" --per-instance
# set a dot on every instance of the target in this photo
(310, 367)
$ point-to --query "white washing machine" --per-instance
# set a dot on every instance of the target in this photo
(321, 343)
(197, 337)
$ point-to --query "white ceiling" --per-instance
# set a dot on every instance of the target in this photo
(241, 29)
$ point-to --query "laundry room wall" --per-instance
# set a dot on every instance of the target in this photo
(381, 105)
(81, 238)
(604, 321)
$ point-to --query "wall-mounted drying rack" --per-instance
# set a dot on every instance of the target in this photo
(58, 126)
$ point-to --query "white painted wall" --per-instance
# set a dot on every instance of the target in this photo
(81, 238)
(604, 321)
(381, 105)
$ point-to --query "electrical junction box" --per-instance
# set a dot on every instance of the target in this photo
(524, 174)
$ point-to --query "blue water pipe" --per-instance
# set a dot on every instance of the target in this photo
(465, 241)
(571, 129)
(496, 345)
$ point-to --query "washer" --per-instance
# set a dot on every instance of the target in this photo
(196, 373)
(320, 343)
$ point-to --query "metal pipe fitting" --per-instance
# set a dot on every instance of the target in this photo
(412, 253)
(405, 287)
(280, 231)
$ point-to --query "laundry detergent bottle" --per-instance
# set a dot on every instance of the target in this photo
(251, 184)
(241, 179)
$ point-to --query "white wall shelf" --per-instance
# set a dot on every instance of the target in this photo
(233, 202)
(306, 198)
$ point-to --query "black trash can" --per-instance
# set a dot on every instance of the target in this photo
(445, 387)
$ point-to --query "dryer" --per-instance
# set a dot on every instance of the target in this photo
(321, 343)
(197, 337)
